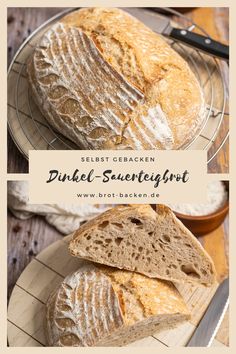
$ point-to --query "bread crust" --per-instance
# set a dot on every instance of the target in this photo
(99, 306)
(106, 81)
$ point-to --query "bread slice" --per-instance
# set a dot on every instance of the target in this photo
(109, 307)
(139, 239)
(106, 81)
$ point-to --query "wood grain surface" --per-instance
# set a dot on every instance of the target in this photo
(26, 238)
(21, 22)
(216, 23)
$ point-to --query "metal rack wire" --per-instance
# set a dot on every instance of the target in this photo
(30, 130)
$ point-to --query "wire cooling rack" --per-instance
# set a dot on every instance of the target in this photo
(30, 130)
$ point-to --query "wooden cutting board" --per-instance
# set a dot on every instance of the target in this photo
(26, 311)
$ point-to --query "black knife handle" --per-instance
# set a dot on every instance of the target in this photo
(203, 43)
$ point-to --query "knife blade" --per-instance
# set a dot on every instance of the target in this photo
(210, 323)
(161, 25)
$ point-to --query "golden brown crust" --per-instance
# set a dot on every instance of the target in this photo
(160, 105)
(99, 306)
(82, 310)
(147, 291)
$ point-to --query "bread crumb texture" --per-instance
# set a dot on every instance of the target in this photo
(154, 243)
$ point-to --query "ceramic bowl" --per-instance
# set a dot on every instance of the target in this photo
(202, 225)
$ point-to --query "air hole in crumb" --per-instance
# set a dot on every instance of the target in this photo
(204, 272)
(137, 257)
(128, 243)
(133, 254)
(140, 249)
(147, 252)
(149, 259)
(150, 233)
(167, 272)
(88, 237)
(108, 240)
(98, 242)
(166, 238)
(118, 240)
(109, 255)
(103, 224)
(120, 226)
(87, 248)
(187, 245)
(190, 271)
(136, 221)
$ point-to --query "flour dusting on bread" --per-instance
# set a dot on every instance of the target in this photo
(102, 306)
(106, 81)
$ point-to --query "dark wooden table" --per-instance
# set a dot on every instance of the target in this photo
(26, 238)
(22, 21)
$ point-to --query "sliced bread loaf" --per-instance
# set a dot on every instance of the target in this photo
(139, 239)
(109, 307)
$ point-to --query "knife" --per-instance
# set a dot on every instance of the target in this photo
(210, 323)
(161, 24)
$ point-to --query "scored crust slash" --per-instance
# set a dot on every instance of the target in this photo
(120, 307)
(106, 81)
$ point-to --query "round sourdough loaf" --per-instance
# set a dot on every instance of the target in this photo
(110, 307)
(106, 81)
